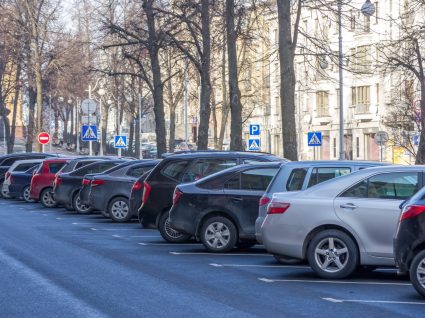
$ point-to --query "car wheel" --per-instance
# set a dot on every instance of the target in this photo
(26, 195)
(287, 260)
(333, 254)
(47, 198)
(417, 273)
(5, 194)
(168, 233)
(219, 234)
(119, 210)
(80, 208)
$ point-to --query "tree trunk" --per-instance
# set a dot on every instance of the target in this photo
(225, 106)
(11, 141)
(287, 81)
(420, 157)
(234, 92)
(31, 119)
(137, 136)
(172, 128)
(39, 85)
(214, 120)
(71, 131)
(205, 107)
(156, 79)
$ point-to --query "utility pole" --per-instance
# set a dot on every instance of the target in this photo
(88, 117)
(186, 99)
(77, 113)
(50, 123)
(140, 126)
(341, 84)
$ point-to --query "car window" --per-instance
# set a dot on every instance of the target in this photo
(82, 164)
(249, 161)
(32, 169)
(55, 167)
(24, 166)
(206, 167)
(174, 169)
(322, 174)
(233, 183)
(95, 168)
(8, 162)
(257, 179)
(138, 171)
(296, 179)
(393, 186)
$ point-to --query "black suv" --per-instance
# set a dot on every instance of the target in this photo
(409, 241)
(184, 168)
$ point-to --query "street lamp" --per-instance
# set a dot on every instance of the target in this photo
(101, 92)
(368, 9)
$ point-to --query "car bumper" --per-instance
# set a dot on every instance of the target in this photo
(282, 238)
(183, 220)
(258, 235)
(148, 218)
(62, 197)
(96, 201)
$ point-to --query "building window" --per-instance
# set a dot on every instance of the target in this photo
(376, 12)
(322, 103)
(352, 20)
(357, 147)
(360, 99)
(361, 59)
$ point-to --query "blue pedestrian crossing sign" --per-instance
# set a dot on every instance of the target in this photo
(88, 133)
(254, 130)
(254, 145)
(314, 139)
(120, 141)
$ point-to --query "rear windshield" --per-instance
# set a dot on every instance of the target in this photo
(97, 167)
(24, 166)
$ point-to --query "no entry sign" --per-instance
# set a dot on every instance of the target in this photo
(43, 138)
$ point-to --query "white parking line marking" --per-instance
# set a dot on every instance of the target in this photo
(333, 300)
(116, 235)
(268, 280)
(158, 236)
(58, 218)
(93, 229)
(219, 254)
(44, 214)
(168, 244)
(259, 266)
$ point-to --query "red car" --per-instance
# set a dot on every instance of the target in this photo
(41, 188)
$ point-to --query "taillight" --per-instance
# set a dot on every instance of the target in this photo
(264, 201)
(137, 186)
(412, 211)
(11, 179)
(7, 175)
(176, 196)
(98, 182)
(86, 182)
(277, 207)
(146, 191)
(58, 181)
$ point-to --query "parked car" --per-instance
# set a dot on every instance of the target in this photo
(41, 188)
(7, 161)
(67, 186)
(179, 168)
(17, 166)
(20, 183)
(220, 210)
(110, 191)
(300, 175)
(342, 223)
(409, 242)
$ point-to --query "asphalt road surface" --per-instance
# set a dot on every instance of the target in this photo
(54, 263)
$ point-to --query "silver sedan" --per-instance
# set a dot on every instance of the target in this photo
(342, 223)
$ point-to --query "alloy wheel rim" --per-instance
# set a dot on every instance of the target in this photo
(420, 273)
(120, 209)
(217, 235)
(170, 231)
(82, 207)
(27, 195)
(331, 254)
(48, 198)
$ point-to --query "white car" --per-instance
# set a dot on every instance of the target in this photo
(17, 166)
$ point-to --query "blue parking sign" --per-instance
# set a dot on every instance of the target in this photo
(254, 130)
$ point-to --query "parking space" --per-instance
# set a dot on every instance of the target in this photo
(91, 260)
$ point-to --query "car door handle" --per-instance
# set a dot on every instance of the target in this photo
(348, 206)
(237, 199)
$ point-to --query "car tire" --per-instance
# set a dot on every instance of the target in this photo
(219, 234)
(5, 194)
(168, 233)
(80, 208)
(26, 195)
(417, 272)
(47, 198)
(333, 254)
(284, 260)
(119, 210)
